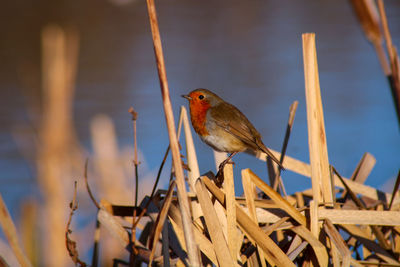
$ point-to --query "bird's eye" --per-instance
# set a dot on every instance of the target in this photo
(201, 97)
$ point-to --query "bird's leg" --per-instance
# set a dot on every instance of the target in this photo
(220, 172)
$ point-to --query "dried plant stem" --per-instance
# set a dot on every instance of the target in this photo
(136, 163)
(321, 182)
(394, 77)
(180, 182)
(292, 113)
(11, 234)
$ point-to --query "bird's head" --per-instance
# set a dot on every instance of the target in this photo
(202, 99)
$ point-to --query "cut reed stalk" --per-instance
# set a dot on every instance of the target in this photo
(321, 183)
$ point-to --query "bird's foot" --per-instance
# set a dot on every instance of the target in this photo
(220, 174)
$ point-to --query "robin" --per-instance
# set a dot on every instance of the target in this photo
(223, 126)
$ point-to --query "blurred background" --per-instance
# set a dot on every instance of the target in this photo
(70, 71)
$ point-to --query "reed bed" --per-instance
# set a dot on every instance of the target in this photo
(337, 222)
(197, 221)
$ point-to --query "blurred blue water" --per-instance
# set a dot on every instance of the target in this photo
(248, 52)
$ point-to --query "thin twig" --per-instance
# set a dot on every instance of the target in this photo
(88, 187)
(153, 190)
(292, 113)
(70, 244)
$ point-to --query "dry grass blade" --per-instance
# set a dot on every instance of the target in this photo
(213, 226)
(159, 224)
(321, 182)
(11, 234)
(339, 242)
(273, 254)
(180, 182)
(279, 200)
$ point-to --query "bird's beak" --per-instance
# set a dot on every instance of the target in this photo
(187, 97)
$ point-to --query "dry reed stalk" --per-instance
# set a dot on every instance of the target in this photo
(204, 243)
(304, 169)
(58, 146)
(368, 242)
(377, 232)
(362, 171)
(250, 193)
(180, 182)
(136, 164)
(368, 17)
(232, 231)
(269, 191)
(394, 77)
(159, 224)
(193, 172)
(361, 217)
(338, 242)
(292, 113)
(314, 217)
(272, 253)
(10, 232)
(107, 162)
(213, 227)
(317, 246)
(29, 227)
(321, 183)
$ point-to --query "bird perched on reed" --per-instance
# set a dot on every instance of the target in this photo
(223, 126)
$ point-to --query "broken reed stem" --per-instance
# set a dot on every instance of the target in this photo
(191, 246)
(321, 182)
(292, 113)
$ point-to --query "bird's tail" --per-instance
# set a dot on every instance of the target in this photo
(269, 153)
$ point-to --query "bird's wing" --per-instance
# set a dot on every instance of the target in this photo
(232, 120)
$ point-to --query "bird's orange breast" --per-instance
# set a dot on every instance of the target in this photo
(198, 115)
